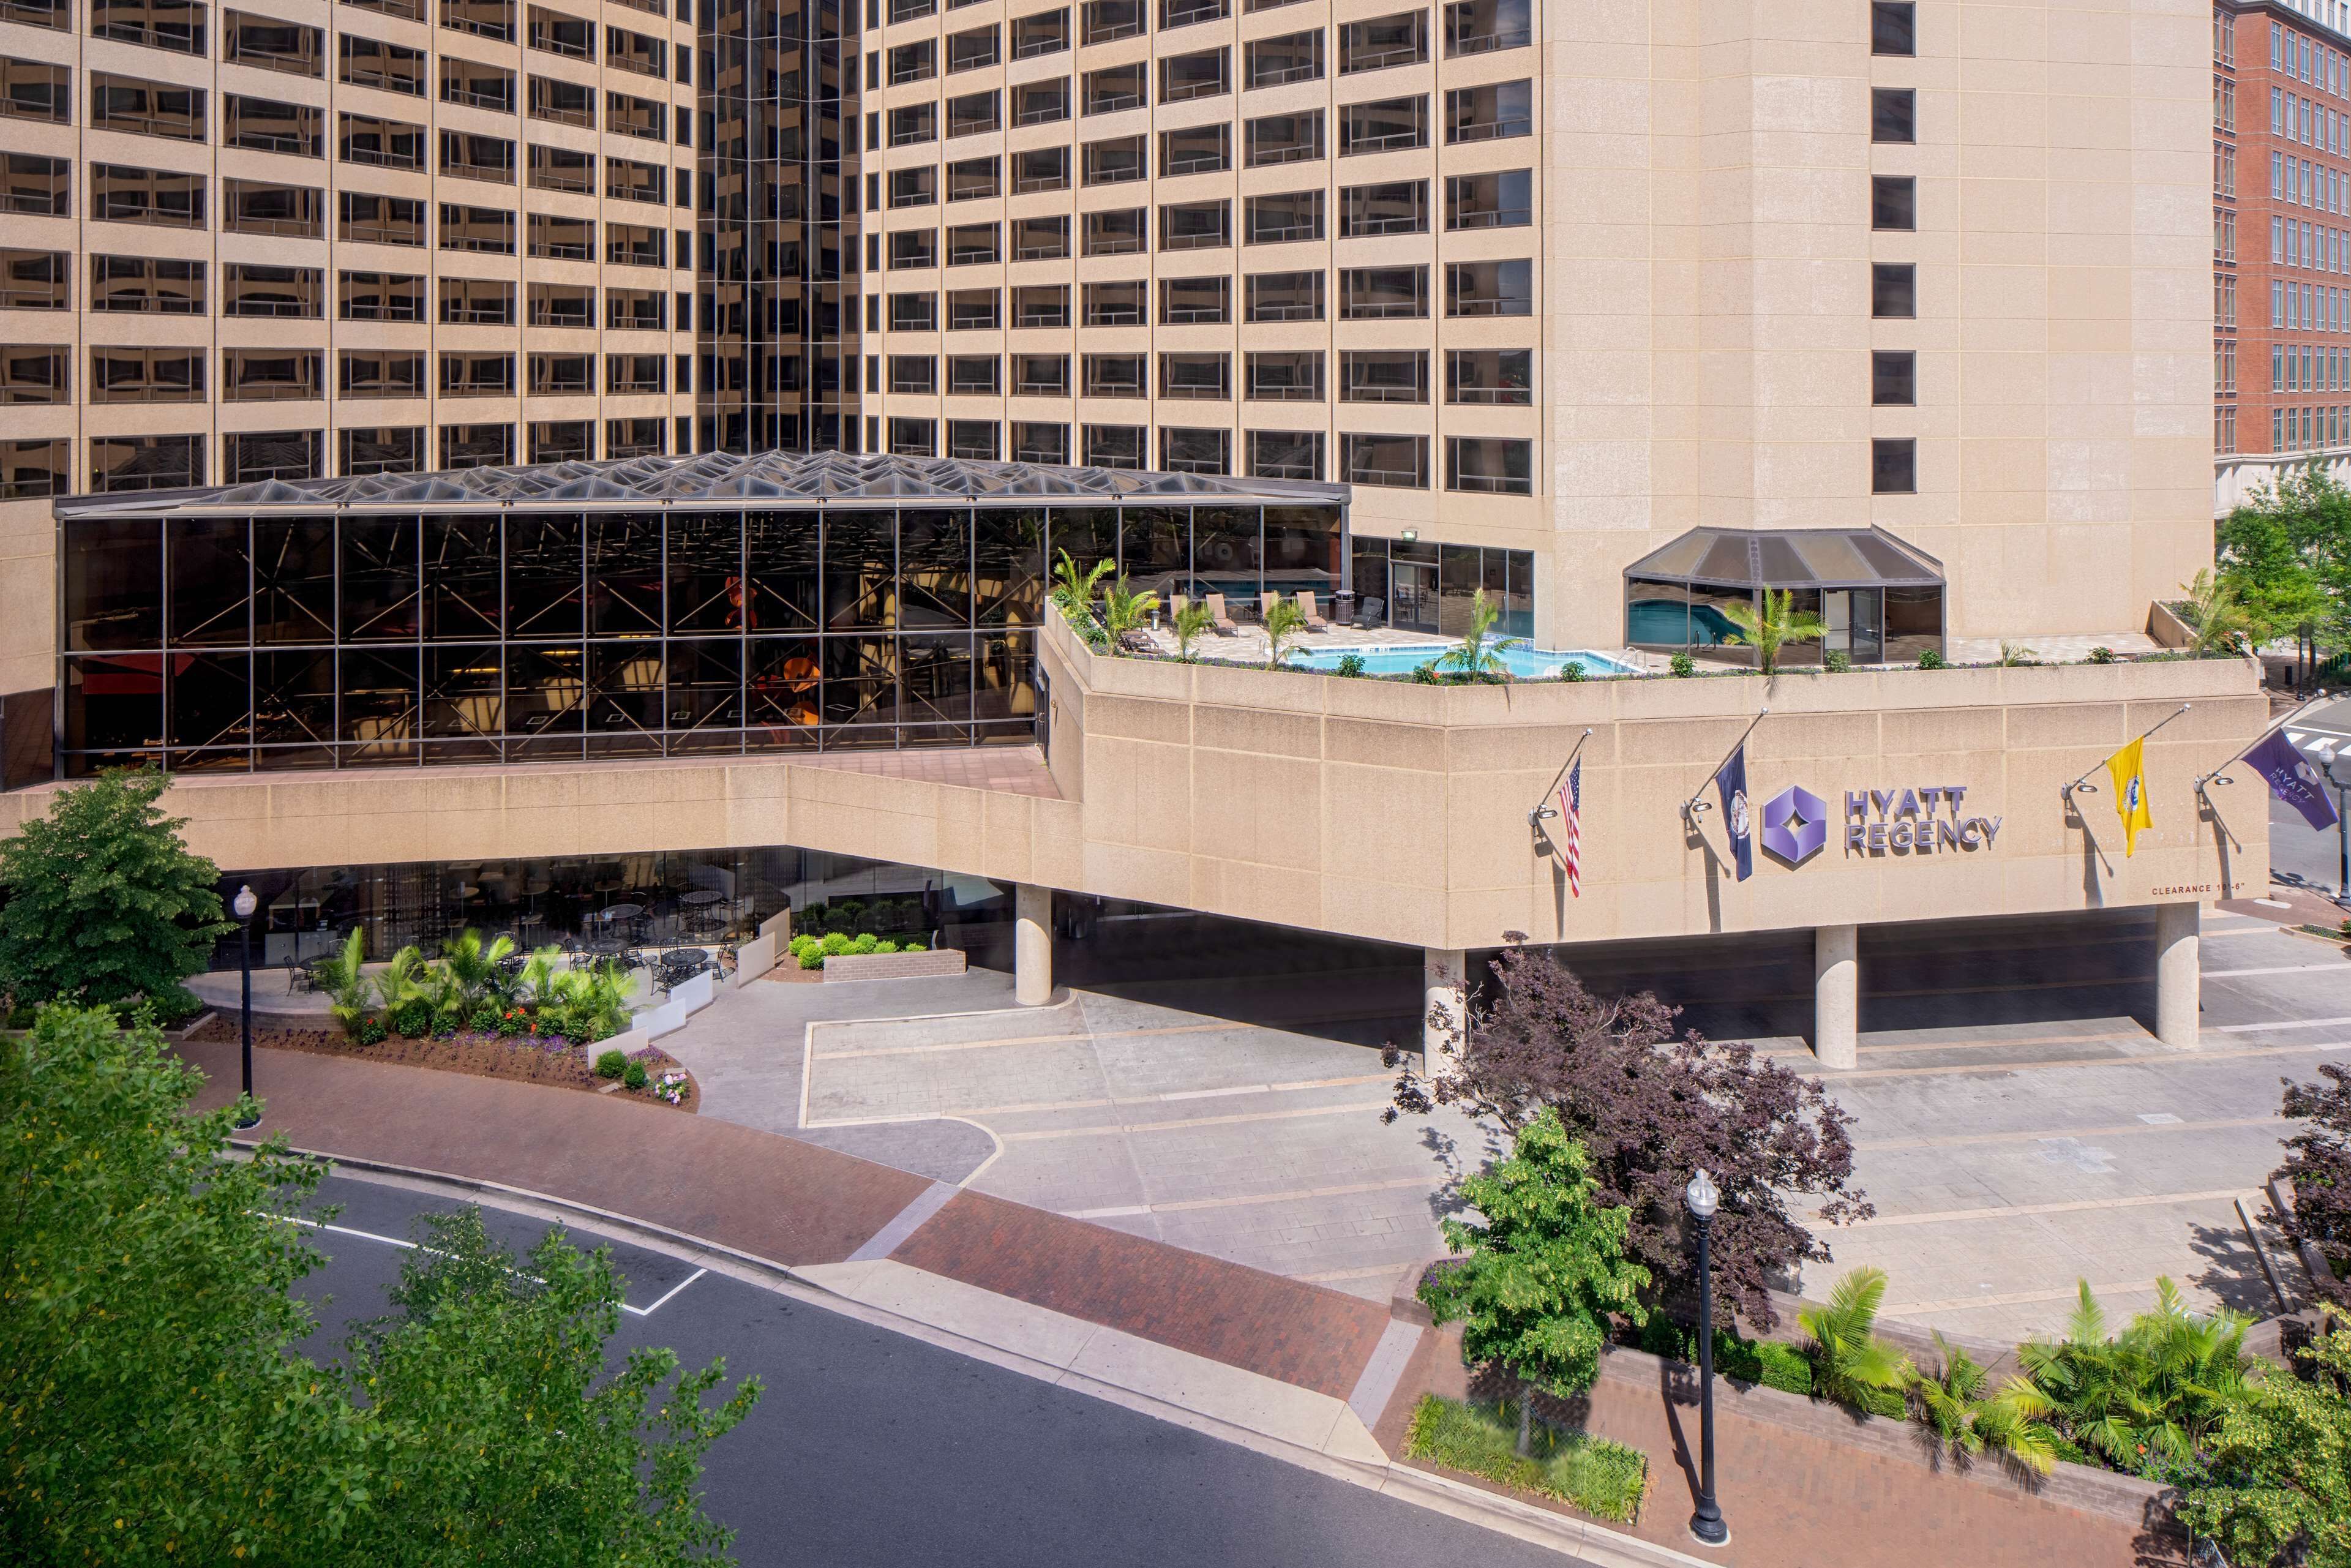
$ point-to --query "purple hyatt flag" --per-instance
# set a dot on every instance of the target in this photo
(1730, 783)
(2294, 778)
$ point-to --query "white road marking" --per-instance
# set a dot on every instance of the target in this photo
(1107, 1129)
(1185, 1206)
(2281, 1023)
(2023, 1210)
(2282, 969)
(418, 1247)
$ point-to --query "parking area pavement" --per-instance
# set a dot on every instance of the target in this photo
(2007, 1159)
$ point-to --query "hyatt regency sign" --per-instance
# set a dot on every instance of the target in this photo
(1918, 821)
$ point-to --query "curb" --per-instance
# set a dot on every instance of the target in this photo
(1587, 1542)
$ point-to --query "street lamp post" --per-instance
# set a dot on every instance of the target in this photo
(244, 905)
(2342, 821)
(1706, 1524)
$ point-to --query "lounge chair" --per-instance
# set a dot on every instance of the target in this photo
(1371, 613)
(1222, 624)
(1314, 622)
(1265, 603)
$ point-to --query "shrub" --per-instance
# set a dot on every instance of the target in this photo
(1682, 665)
(2318, 1164)
(1930, 660)
(2143, 1400)
(485, 1019)
(1425, 673)
(836, 943)
(634, 1075)
(911, 946)
(412, 1019)
(802, 943)
(813, 958)
(511, 1021)
(1836, 661)
(612, 1064)
(865, 943)
(2102, 656)
(886, 946)
(369, 1028)
(1572, 671)
(1604, 1478)
(1350, 665)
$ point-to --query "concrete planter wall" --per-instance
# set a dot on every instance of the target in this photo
(893, 966)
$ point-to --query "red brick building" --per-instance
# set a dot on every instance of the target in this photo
(2281, 226)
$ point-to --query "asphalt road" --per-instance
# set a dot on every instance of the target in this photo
(2296, 847)
(872, 1447)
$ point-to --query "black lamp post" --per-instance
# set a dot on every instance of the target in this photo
(1707, 1522)
(244, 905)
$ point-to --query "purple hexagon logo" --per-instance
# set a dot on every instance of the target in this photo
(1796, 824)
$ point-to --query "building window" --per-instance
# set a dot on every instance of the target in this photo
(34, 468)
(1893, 114)
(1185, 451)
(1894, 467)
(1114, 445)
(1384, 375)
(1893, 27)
(382, 449)
(914, 437)
(1037, 442)
(256, 455)
(1293, 56)
(36, 280)
(1490, 376)
(1285, 454)
(34, 90)
(1479, 27)
(146, 463)
(1383, 292)
(974, 440)
(34, 373)
(174, 24)
(1489, 113)
(477, 446)
(271, 375)
(1501, 200)
(1383, 41)
(562, 441)
(1386, 126)
(1487, 466)
(1893, 378)
(1398, 462)
(1489, 289)
(1287, 375)
(1893, 202)
(42, 187)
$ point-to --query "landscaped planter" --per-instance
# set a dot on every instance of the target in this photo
(893, 966)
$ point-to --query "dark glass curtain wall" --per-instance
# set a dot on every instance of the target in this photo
(768, 277)
(279, 641)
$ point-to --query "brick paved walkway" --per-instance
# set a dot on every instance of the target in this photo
(792, 1202)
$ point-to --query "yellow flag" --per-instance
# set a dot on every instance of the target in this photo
(2129, 770)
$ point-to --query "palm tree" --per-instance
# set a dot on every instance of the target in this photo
(1124, 610)
(1192, 622)
(1777, 623)
(1074, 595)
(1479, 655)
(473, 964)
(2147, 1396)
(1953, 1403)
(344, 979)
(2214, 614)
(1850, 1364)
(1283, 623)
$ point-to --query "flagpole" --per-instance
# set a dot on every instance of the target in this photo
(2083, 781)
(1693, 804)
(1536, 818)
(2257, 741)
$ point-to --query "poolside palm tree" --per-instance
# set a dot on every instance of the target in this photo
(1478, 656)
(1777, 623)
(1283, 623)
(1074, 595)
(2214, 614)
(1124, 610)
(1192, 623)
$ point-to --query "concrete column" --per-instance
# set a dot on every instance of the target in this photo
(1836, 996)
(1032, 945)
(2178, 980)
(1445, 1022)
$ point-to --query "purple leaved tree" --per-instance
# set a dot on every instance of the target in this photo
(1651, 1107)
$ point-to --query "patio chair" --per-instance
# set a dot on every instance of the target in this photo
(1265, 603)
(1222, 624)
(1370, 613)
(1314, 621)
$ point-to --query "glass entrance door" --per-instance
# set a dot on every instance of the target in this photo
(1413, 594)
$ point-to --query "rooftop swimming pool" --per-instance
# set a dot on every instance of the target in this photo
(1403, 658)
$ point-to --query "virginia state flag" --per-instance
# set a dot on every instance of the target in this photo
(2128, 770)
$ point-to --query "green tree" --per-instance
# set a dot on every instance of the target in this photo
(1125, 610)
(1478, 656)
(503, 1440)
(2304, 516)
(2143, 1400)
(1191, 623)
(153, 1409)
(1284, 621)
(1074, 595)
(1544, 1273)
(2270, 573)
(2218, 621)
(1774, 626)
(105, 902)
(1850, 1364)
(344, 978)
(473, 965)
(2280, 1480)
(1955, 1400)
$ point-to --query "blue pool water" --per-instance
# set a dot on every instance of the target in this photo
(1402, 659)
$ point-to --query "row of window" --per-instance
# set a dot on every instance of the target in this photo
(39, 90)
(39, 186)
(1500, 200)
(167, 285)
(31, 469)
(38, 374)
(2309, 306)
(1471, 27)
(298, 48)
(1496, 112)
(2304, 429)
(1484, 376)
(2303, 183)
(2323, 66)
(1894, 287)
(1482, 465)
(1365, 294)
(2314, 246)
(2309, 368)
(2297, 118)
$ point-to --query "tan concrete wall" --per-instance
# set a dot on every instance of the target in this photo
(1390, 810)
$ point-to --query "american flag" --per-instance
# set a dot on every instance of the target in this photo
(1571, 809)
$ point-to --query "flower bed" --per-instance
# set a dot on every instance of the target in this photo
(1605, 1478)
(553, 1061)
